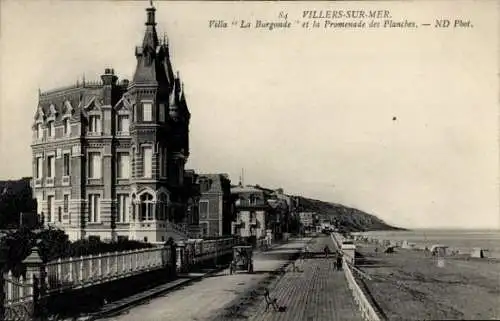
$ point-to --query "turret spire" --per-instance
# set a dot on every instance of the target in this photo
(150, 38)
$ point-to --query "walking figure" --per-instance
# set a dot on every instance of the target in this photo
(326, 250)
(339, 261)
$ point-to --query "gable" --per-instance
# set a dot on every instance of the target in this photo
(124, 104)
(68, 109)
(52, 111)
(92, 104)
(39, 114)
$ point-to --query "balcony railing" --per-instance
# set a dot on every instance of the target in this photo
(66, 180)
(123, 133)
(49, 181)
(94, 181)
(94, 134)
(122, 180)
(38, 182)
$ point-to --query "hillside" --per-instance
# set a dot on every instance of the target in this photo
(346, 218)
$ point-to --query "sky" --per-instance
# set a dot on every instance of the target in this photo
(400, 123)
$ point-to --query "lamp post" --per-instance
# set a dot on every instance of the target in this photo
(35, 271)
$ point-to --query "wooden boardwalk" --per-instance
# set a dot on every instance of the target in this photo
(315, 293)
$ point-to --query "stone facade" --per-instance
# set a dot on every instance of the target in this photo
(215, 204)
(109, 156)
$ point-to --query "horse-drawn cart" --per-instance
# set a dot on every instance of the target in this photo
(242, 259)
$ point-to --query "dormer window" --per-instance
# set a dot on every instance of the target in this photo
(51, 129)
(67, 127)
(147, 111)
(39, 131)
(94, 123)
(123, 124)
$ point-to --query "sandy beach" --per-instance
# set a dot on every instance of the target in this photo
(408, 284)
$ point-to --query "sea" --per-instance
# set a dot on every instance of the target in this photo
(462, 240)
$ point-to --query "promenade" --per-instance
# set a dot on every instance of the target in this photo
(313, 293)
(207, 297)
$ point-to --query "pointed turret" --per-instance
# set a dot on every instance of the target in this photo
(150, 37)
(183, 103)
(151, 56)
(174, 111)
(167, 64)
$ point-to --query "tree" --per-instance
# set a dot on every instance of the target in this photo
(15, 197)
(295, 224)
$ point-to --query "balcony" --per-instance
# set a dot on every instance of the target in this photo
(49, 182)
(122, 181)
(38, 182)
(66, 180)
(94, 181)
(123, 133)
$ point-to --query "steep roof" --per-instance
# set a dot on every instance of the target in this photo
(153, 59)
(73, 98)
(214, 182)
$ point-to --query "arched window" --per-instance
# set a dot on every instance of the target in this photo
(146, 207)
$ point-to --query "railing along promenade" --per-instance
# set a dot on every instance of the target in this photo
(366, 308)
(41, 280)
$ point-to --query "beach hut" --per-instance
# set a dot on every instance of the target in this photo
(438, 250)
(479, 252)
(389, 249)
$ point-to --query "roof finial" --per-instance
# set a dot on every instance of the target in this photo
(151, 3)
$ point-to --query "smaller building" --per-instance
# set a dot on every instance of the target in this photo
(251, 212)
(215, 204)
(307, 219)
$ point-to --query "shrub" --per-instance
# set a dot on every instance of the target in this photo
(54, 244)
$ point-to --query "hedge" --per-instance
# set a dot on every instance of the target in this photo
(54, 244)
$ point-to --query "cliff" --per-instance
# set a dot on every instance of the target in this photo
(345, 218)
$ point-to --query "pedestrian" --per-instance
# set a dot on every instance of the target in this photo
(326, 250)
(339, 261)
(335, 261)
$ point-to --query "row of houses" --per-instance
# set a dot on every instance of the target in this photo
(244, 210)
(109, 161)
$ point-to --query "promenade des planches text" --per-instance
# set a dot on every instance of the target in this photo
(337, 19)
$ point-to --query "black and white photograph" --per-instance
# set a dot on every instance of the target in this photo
(249, 160)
